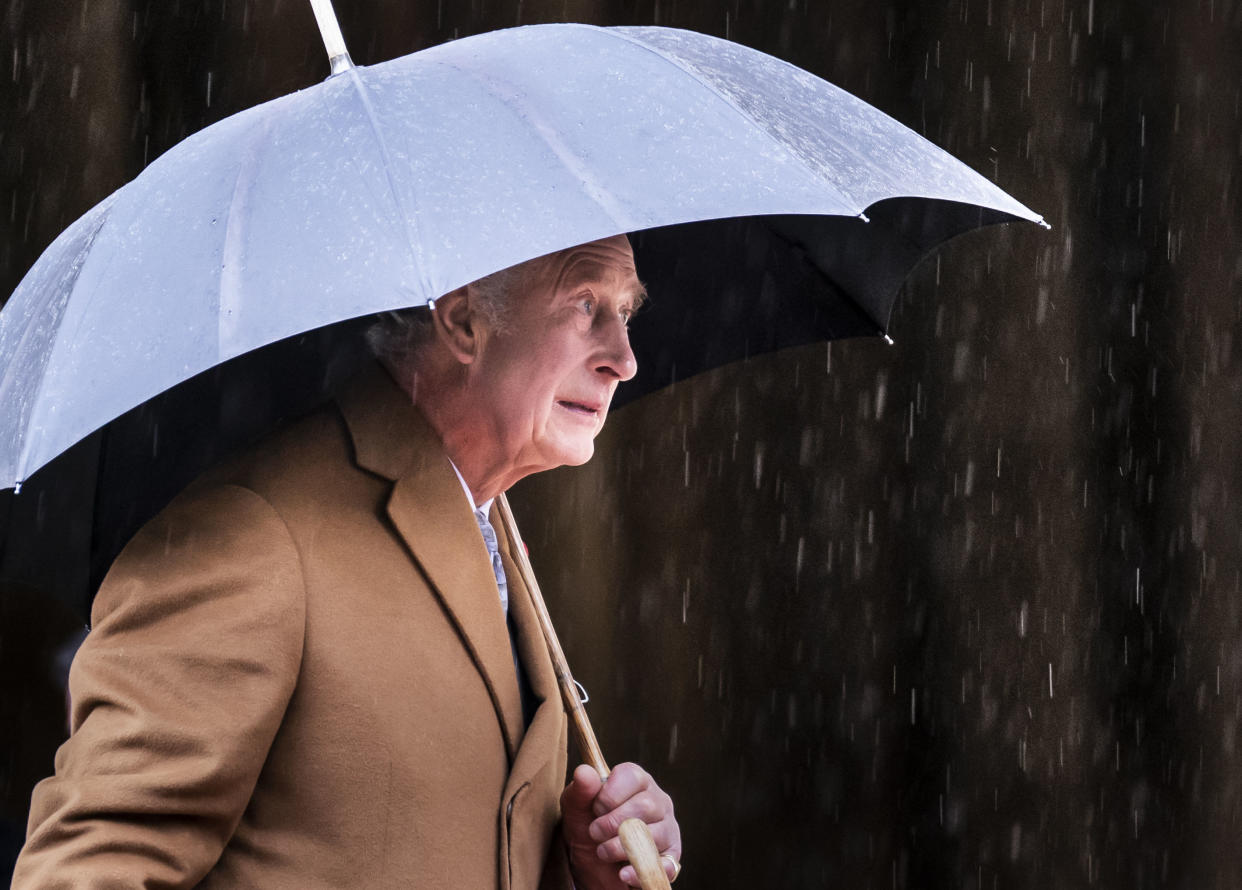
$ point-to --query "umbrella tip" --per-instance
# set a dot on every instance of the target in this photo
(887, 338)
(17, 487)
(340, 63)
(330, 31)
(864, 217)
(1043, 222)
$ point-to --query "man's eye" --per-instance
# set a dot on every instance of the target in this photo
(588, 305)
(626, 315)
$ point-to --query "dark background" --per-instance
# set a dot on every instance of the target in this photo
(959, 612)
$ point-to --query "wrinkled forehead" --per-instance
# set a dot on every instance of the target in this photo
(609, 261)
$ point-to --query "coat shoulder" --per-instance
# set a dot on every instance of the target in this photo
(305, 466)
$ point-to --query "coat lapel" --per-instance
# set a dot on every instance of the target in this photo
(431, 514)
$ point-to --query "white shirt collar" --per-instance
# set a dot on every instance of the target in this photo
(485, 507)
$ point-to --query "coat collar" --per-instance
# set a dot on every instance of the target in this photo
(390, 436)
(430, 512)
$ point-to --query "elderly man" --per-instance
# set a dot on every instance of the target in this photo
(320, 667)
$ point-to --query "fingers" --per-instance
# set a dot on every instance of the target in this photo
(653, 807)
(630, 793)
(626, 780)
(665, 834)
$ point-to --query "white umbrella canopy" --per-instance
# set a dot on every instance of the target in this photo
(387, 186)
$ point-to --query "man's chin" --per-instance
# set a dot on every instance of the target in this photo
(581, 457)
(575, 455)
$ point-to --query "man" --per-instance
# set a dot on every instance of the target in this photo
(308, 671)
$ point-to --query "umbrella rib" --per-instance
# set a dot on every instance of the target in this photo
(623, 219)
(32, 434)
(932, 152)
(840, 292)
(230, 302)
(408, 220)
(758, 124)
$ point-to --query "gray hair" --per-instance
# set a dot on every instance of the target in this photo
(396, 337)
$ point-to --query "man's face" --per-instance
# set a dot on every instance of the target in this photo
(545, 381)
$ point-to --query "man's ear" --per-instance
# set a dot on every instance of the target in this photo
(455, 323)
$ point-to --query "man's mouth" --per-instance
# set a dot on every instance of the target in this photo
(582, 409)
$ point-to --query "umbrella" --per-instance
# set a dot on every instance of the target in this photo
(387, 186)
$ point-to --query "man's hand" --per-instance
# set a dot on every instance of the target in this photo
(593, 811)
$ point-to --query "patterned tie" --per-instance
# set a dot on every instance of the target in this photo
(498, 569)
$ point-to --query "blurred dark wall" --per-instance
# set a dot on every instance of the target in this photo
(959, 612)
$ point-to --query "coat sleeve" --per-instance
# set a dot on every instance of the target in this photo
(177, 694)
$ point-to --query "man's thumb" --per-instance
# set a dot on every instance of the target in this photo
(581, 791)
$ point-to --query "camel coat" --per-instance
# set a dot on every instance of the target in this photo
(299, 676)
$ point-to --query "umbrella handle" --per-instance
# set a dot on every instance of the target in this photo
(641, 850)
(635, 836)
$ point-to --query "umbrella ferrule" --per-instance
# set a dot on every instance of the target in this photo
(333, 40)
(340, 64)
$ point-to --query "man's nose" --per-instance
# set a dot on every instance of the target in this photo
(616, 358)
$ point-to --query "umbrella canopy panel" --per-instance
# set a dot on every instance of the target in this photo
(725, 290)
(388, 186)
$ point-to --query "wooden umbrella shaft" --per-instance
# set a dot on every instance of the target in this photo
(635, 835)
